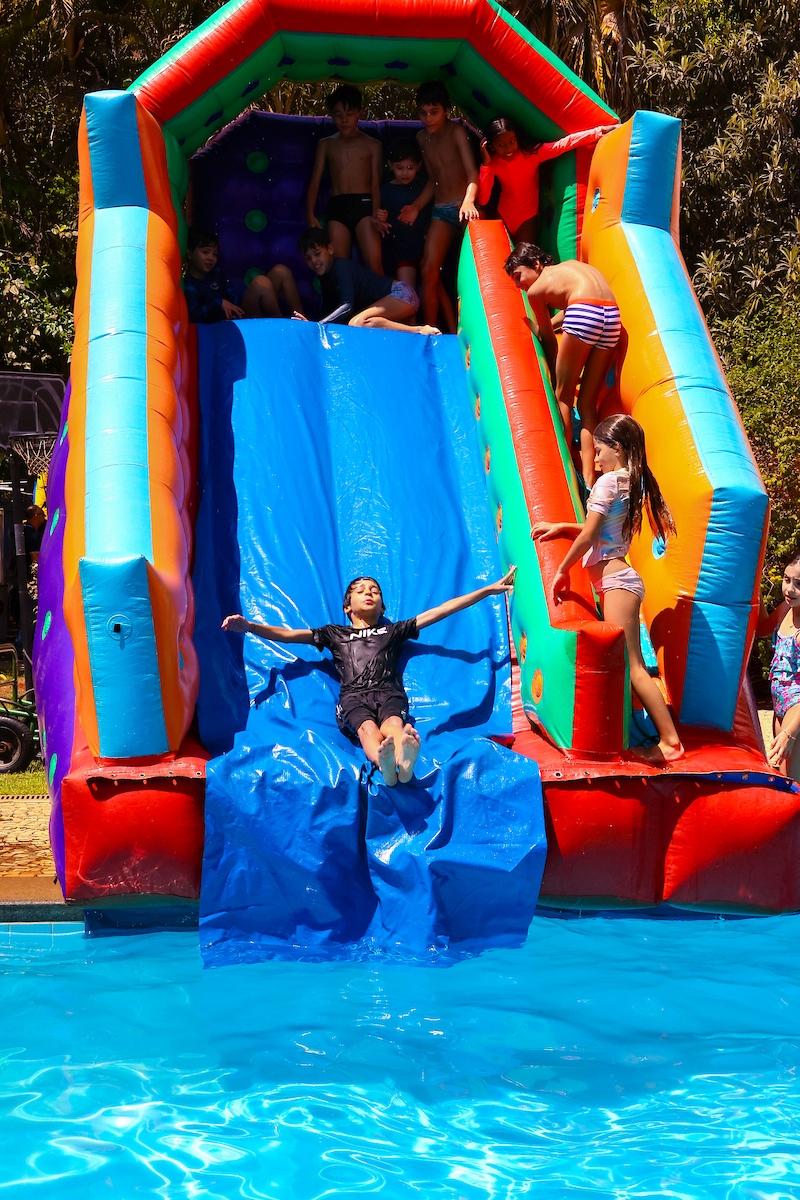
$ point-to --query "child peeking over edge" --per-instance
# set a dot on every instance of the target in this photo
(365, 298)
(373, 705)
(210, 298)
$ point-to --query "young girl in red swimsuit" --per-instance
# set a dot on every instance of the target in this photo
(518, 172)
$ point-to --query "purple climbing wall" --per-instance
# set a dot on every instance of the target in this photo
(249, 186)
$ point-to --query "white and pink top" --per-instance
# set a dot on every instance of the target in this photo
(609, 496)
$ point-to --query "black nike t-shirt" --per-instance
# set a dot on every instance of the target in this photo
(366, 658)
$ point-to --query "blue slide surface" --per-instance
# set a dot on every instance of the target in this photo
(328, 453)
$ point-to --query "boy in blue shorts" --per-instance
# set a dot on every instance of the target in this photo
(452, 185)
(405, 239)
(373, 705)
(359, 296)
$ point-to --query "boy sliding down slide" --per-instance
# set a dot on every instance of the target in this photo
(590, 330)
(373, 705)
(376, 301)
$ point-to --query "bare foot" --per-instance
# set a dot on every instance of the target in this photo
(429, 329)
(407, 753)
(659, 755)
(386, 762)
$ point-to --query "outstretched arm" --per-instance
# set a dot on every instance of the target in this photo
(432, 615)
(270, 633)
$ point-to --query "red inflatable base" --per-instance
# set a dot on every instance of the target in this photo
(134, 828)
(686, 841)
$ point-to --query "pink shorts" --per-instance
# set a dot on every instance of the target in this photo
(626, 580)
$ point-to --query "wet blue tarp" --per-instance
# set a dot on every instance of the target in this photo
(325, 454)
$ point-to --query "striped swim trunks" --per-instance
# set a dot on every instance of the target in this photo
(594, 321)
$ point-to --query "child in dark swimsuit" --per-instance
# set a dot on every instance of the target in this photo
(354, 162)
(373, 705)
(784, 671)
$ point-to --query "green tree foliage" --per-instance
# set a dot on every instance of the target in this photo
(52, 53)
(731, 71)
(728, 68)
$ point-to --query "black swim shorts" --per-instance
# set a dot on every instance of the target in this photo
(354, 708)
(350, 208)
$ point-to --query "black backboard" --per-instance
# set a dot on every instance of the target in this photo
(29, 404)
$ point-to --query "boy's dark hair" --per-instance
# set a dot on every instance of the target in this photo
(433, 92)
(525, 254)
(346, 95)
(352, 584)
(794, 559)
(198, 239)
(402, 149)
(313, 236)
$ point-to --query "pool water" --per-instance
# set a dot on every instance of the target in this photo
(618, 1057)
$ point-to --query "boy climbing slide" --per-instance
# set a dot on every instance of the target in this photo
(373, 705)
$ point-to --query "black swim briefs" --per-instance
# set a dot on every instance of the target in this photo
(354, 708)
(350, 208)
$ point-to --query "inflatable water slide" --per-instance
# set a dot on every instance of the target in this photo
(257, 466)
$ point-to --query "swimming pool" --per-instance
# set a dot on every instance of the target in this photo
(619, 1057)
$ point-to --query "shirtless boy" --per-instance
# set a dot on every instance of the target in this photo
(354, 162)
(453, 186)
(590, 330)
(373, 705)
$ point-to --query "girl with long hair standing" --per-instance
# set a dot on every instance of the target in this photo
(624, 487)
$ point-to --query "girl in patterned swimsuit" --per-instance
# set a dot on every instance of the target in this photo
(625, 486)
(784, 672)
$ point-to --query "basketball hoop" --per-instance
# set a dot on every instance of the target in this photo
(35, 450)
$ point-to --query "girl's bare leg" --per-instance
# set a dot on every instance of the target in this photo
(370, 245)
(284, 284)
(622, 608)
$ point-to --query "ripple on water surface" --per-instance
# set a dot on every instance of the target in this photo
(625, 1058)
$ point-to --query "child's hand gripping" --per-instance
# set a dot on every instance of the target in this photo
(486, 157)
(232, 311)
(408, 214)
(781, 749)
(545, 531)
(381, 221)
(504, 585)
(236, 624)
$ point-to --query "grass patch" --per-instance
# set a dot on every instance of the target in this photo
(25, 783)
